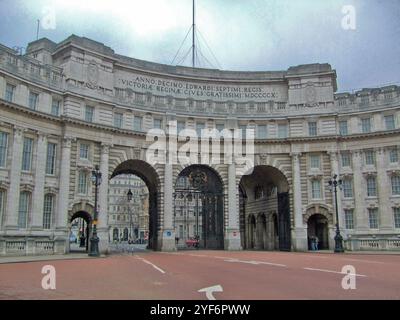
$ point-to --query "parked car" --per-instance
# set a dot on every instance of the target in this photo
(192, 242)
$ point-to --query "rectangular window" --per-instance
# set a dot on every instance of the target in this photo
(395, 185)
(181, 235)
(82, 183)
(394, 155)
(262, 131)
(27, 154)
(137, 123)
(2, 204)
(55, 107)
(89, 111)
(10, 89)
(157, 123)
(23, 209)
(84, 151)
(347, 188)
(389, 122)
(51, 158)
(33, 99)
(371, 186)
(370, 158)
(220, 126)
(118, 120)
(243, 129)
(48, 210)
(180, 126)
(366, 125)
(316, 189)
(312, 129)
(396, 212)
(199, 126)
(349, 219)
(373, 218)
(282, 131)
(314, 161)
(3, 149)
(346, 161)
(343, 128)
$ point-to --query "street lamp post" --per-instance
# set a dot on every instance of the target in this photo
(129, 196)
(338, 237)
(94, 240)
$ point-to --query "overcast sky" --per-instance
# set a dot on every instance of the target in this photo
(248, 35)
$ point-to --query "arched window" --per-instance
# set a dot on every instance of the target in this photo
(23, 210)
(48, 210)
(126, 234)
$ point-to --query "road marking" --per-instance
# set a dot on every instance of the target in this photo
(366, 261)
(152, 264)
(177, 253)
(256, 262)
(209, 291)
(331, 271)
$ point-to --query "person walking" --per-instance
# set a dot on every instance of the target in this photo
(313, 243)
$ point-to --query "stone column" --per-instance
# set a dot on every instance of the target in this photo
(63, 196)
(102, 221)
(11, 218)
(232, 234)
(300, 232)
(360, 214)
(38, 191)
(168, 232)
(384, 192)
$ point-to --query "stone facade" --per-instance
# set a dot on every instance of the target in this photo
(68, 106)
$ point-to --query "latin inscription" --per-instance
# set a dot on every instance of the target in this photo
(198, 91)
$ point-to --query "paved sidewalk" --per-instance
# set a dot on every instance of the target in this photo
(357, 252)
(22, 259)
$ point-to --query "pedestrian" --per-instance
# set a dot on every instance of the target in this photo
(316, 242)
(313, 248)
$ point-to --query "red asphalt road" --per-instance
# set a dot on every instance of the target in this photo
(242, 275)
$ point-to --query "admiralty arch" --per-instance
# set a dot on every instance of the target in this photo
(68, 107)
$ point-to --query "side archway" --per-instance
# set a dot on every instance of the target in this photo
(265, 192)
(80, 231)
(148, 174)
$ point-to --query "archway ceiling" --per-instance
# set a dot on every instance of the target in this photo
(141, 169)
(264, 176)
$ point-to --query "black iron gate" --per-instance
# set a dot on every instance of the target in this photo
(284, 221)
(198, 209)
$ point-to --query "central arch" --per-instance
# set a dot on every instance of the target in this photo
(265, 210)
(150, 177)
(199, 208)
